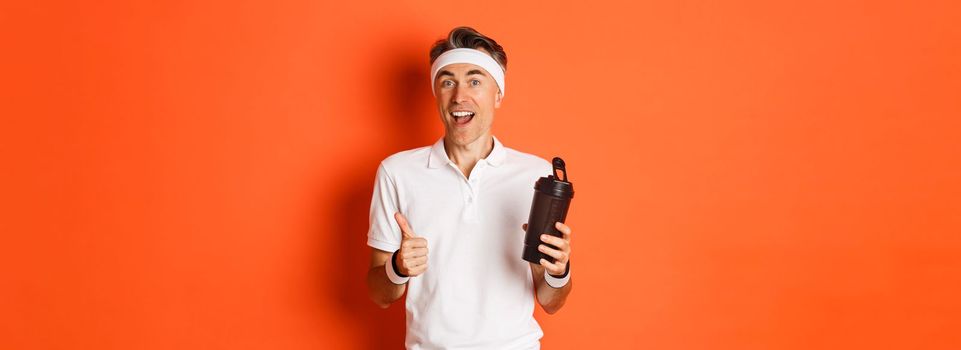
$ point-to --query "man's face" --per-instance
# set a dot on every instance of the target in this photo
(466, 97)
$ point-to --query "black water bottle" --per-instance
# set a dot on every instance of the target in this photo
(552, 198)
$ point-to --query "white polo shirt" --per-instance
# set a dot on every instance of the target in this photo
(477, 292)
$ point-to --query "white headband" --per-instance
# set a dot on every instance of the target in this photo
(475, 57)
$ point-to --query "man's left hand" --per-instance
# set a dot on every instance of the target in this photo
(561, 255)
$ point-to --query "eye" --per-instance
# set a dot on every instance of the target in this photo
(475, 82)
(447, 83)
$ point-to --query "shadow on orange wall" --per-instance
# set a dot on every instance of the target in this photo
(406, 119)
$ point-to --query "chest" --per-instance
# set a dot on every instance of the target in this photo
(442, 204)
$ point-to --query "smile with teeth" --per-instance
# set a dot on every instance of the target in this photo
(462, 117)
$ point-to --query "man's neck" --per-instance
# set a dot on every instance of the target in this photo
(466, 156)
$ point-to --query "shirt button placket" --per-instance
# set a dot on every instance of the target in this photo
(473, 188)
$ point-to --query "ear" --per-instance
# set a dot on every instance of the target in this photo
(497, 99)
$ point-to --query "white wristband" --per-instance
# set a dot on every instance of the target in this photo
(555, 282)
(391, 275)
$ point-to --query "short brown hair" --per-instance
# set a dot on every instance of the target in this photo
(469, 38)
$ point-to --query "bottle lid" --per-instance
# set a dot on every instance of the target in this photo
(556, 184)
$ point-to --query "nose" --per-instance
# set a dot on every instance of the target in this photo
(459, 95)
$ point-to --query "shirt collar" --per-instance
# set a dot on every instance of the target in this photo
(438, 154)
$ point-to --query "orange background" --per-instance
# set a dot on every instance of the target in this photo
(750, 174)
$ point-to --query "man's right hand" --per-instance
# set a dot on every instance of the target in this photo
(411, 259)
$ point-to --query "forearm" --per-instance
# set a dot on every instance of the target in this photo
(550, 298)
(380, 289)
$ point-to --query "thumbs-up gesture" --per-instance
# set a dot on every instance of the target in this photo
(411, 259)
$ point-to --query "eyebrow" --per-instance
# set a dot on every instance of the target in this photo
(470, 72)
(475, 71)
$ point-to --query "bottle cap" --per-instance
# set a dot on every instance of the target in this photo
(556, 185)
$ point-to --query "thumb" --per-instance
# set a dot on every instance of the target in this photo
(405, 230)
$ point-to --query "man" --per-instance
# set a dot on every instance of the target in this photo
(446, 221)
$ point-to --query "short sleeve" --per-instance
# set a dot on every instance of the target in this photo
(384, 234)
